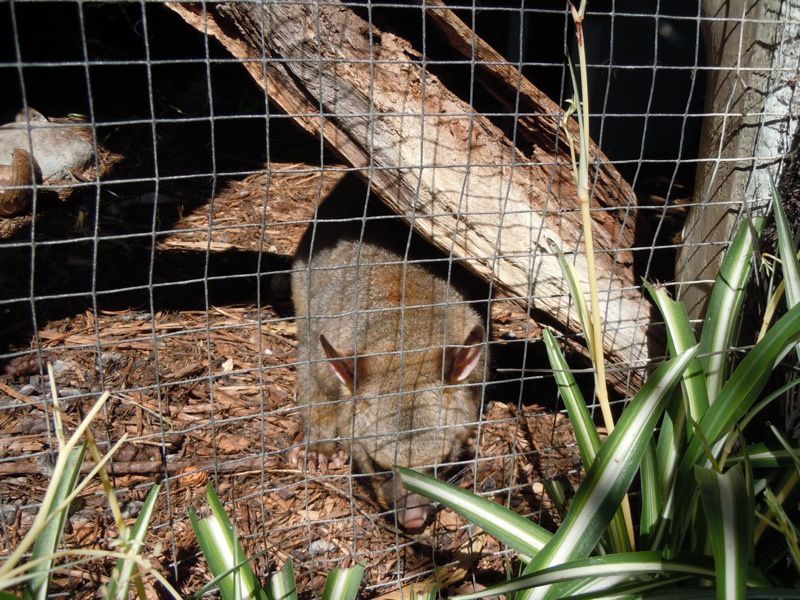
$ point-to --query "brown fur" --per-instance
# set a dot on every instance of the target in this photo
(397, 332)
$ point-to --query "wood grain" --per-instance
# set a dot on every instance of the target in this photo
(451, 172)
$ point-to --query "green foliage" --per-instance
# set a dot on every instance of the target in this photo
(701, 507)
(47, 542)
(126, 567)
(231, 568)
(43, 539)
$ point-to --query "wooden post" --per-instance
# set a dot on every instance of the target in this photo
(752, 49)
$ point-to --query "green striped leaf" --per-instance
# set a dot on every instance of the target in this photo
(224, 552)
(571, 278)
(343, 584)
(706, 593)
(680, 337)
(515, 531)
(612, 566)
(120, 579)
(787, 447)
(675, 427)
(47, 541)
(560, 492)
(651, 495)
(627, 589)
(735, 398)
(725, 305)
(785, 526)
(282, 585)
(786, 249)
(766, 401)
(727, 511)
(761, 456)
(614, 468)
(582, 424)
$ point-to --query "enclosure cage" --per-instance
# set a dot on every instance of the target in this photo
(160, 163)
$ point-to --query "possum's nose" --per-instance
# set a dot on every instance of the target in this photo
(413, 511)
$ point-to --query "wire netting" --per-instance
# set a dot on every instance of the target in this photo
(156, 256)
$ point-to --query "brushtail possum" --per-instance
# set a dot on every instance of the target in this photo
(392, 354)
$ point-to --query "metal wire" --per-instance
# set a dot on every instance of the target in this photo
(96, 281)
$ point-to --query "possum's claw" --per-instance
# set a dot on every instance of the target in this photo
(298, 456)
(339, 459)
(322, 463)
(315, 461)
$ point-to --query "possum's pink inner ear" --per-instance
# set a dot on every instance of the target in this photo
(342, 367)
(466, 359)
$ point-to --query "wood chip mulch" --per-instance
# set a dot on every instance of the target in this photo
(208, 395)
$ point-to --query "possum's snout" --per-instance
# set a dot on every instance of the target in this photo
(413, 511)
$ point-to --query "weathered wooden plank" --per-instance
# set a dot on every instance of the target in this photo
(448, 170)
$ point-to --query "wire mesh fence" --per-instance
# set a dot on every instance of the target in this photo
(176, 156)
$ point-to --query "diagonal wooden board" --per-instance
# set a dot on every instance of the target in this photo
(447, 169)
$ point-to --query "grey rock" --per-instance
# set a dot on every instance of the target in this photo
(110, 358)
(318, 547)
(8, 512)
(29, 390)
(57, 147)
(62, 366)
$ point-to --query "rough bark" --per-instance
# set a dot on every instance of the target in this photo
(449, 171)
(752, 48)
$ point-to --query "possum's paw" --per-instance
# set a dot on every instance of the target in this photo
(316, 461)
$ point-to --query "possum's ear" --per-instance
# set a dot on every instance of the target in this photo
(465, 359)
(342, 367)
